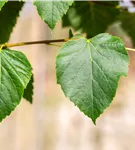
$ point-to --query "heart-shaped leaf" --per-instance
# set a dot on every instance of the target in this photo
(89, 71)
(15, 74)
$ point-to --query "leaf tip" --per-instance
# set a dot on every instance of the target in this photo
(94, 120)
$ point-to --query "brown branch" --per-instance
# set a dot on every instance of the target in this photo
(48, 42)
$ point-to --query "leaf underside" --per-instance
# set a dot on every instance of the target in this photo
(15, 73)
(52, 11)
(89, 71)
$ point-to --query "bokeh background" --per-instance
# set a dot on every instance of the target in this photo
(52, 122)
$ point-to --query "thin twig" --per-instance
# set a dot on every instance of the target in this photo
(48, 42)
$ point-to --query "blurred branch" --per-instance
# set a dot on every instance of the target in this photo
(104, 4)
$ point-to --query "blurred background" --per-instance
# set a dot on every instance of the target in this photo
(52, 122)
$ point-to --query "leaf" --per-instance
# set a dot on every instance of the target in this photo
(65, 20)
(128, 23)
(89, 71)
(28, 92)
(90, 17)
(2, 3)
(15, 74)
(52, 11)
(70, 33)
(8, 17)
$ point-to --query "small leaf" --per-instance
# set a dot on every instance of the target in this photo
(89, 71)
(28, 92)
(15, 74)
(8, 17)
(65, 20)
(2, 3)
(52, 11)
(70, 33)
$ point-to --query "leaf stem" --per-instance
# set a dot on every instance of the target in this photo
(130, 49)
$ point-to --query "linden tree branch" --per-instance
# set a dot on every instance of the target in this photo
(48, 42)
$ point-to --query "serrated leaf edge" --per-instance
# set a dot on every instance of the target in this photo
(125, 75)
(52, 28)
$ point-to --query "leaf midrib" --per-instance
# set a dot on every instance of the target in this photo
(91, 78)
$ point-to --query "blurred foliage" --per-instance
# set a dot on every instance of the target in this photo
(8, 17)
(94, 17)
(128, 24)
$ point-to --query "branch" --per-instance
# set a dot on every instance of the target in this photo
(48, 42)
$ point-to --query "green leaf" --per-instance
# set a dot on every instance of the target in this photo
(128, 23)
(28, 92)
(65, 20)
(89, 71)
(8, 17)
(90, 17)
(70, 33)
(2, 3)
(15, 74)
(52, 11)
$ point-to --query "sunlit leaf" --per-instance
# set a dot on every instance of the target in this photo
(15, 74)
(89, 70)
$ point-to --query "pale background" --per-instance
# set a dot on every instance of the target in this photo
(52, 122)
